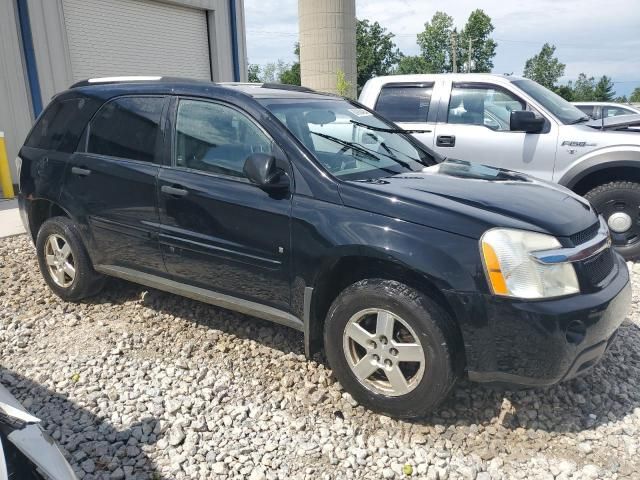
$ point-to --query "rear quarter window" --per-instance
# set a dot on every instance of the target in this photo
(406, 103)
(60, 126)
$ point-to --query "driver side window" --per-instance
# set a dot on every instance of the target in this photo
(482, 105)
(215, 138)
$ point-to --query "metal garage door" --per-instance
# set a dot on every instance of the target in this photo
(136, 37)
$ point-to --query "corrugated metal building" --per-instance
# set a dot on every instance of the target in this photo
(46, 45)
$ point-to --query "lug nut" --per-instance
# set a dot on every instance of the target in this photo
(372, 344)
(376, 358)
(388, 362)
(383, 340)
(393, 351)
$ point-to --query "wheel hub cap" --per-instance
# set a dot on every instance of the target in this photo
(619, 222)
(383, 352)
(60, 261)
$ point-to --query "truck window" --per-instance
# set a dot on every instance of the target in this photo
(482, 105)
(60, 126)
(405, 103)
(127, 128)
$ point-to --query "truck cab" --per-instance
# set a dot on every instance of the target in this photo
(515, 123)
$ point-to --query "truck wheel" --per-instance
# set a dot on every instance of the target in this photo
(619, 204)
(392, 348)
(64, 262)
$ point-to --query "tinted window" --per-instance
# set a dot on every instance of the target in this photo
(405, 103)
(554, 103)
(127, 128)
(616, 111)
(215, 138)
(588, 109)
(479, 105)
(60, 126)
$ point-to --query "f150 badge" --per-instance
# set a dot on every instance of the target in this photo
(573, 143)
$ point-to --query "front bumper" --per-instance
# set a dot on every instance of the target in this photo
(535, 343)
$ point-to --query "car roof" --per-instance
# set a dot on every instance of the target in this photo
(456, 77)
(112, 86)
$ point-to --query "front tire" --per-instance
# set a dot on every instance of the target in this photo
(392, 348)
(64, 261)
(619, 204)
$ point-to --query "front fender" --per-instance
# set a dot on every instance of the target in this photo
(600, 159)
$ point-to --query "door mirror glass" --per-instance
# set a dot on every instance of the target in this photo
(261, 169)
(525, 121)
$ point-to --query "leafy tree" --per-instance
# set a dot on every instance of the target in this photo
(376, 52)
(583, 88)
(603, 91)
(291, 76)
(254, 72)
(412, 64)
(544, 67)
(621, 99)
(483, 48)
(435, 43)
(565, 91)
(635, 95)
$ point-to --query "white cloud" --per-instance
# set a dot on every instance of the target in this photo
(591, 36)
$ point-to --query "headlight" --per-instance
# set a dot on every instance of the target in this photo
(511, 270)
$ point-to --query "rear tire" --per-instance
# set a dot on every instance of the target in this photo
(401, 333)
(619, 204)
(64, 261)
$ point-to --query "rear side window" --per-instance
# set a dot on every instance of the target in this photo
(61, 125)
(405, 103)
(127, 128)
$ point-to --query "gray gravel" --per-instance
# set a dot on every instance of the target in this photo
(136, 383)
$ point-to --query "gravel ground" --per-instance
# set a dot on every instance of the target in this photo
(136, 383)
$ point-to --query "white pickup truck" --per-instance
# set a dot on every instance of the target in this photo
(515, 123)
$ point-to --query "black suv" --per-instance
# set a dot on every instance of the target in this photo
(314, 212)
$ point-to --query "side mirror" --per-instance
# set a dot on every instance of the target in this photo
(261, 169)
(525, 121)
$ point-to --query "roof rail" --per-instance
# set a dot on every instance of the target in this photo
(284, 86)
(123, 79)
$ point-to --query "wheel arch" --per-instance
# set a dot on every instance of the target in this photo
(40, 210)
(339, 272)
(599, 170)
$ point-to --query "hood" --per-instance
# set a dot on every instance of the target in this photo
(27, 436)
(468, 199)
(621, 122)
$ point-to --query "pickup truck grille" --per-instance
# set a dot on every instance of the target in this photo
(585, 235)
(597, 268)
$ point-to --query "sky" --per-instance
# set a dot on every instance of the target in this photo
(594, 37)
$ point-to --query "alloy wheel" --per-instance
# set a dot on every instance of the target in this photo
(383, 352)
(60, 261)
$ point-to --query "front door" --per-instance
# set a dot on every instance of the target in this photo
(475, 127)
(218, 230)
(111, 181)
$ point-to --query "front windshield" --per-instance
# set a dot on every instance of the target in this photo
(555, 104)
(347, 140)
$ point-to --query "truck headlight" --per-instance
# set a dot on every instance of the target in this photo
(511, 271)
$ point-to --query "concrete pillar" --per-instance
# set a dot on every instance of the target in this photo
(327, 43)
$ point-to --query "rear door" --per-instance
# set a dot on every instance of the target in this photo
(474, 126)
(219, 231)
(409, 105)
(110, 182)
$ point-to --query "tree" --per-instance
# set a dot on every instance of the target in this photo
(603, 91)
(412, 64)
(254, 72)
(565, 91)
(544, 67)
(377, 54)
(291, 76)
(435, 43)
(635, 95)
(621, 99)
(583, 88)
(476, 33)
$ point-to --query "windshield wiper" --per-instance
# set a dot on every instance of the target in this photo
(579, 120)
(345, 143)
(388, 130)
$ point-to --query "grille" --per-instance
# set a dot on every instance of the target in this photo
(585, 235)
(597, 268)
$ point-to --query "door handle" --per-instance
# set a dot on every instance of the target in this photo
(81, 172)
(446, 140)
(173, 191)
